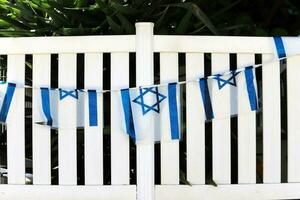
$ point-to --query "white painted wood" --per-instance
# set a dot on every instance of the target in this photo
(293, 99)
(221, 127)
(71, 44)
(195, 127)
(145, 76)
(93, 136)
(169, 150)
(246, 128)
(41, 142)
(121, 43)
(174, 192)
(234, 192)
(119, 138)
(16, 122)
(271, 120)
(67, 116)
(214, 44)
(54, 192)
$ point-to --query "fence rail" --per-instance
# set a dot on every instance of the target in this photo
(144, 44)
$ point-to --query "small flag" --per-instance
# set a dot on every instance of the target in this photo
(49, 106)
(286, 46)
(242, 81)
(6, 94)
(151, 110)
(279, 46)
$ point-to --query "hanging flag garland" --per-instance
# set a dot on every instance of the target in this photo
(147, 107)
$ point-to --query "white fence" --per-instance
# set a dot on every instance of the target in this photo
(144, 44)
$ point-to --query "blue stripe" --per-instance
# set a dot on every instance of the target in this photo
(7, 101)
(206, 98)
(279, 47)
(251, 88)
(128, 113)
(173, 111)
(46, 105)
(93, 116)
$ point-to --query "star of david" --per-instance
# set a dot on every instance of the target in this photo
(231, 80)
(65, 93)
(141, 101)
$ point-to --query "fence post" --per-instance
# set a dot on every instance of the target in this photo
(145, 76)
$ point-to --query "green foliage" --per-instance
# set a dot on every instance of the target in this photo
(95, 17)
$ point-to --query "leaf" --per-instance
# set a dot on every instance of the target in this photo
(4, 23)
(279, 32)
(100, 2)
(162, 15)
(80, 3)
(125, 9)
(198, 13)
(55, 11)
(183, 178)
(25, 9)
(116, 28)
(28, 64)
(213, 183)
(223, 11)
(260, 32)
(75, 31)
(184, 23)
(15, 33)
(127, 26)
(13, 22)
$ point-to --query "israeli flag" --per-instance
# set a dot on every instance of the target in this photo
(49, 106)
(145, 109)
(6, 94)
(234, 82)
(286, 46)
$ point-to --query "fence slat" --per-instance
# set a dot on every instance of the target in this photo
(195, 128)
(119, 139)
(16, 122)
(41, 144)
(246, 130)
(67, 115)
(169, 150)
(93, 136)
(293, 99)
(145, 76)
(271, 119)
(221, 127)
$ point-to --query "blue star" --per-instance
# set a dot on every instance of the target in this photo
(65, 93)
(140, 99)
(231, 80)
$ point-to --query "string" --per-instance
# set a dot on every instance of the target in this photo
(165, 84)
